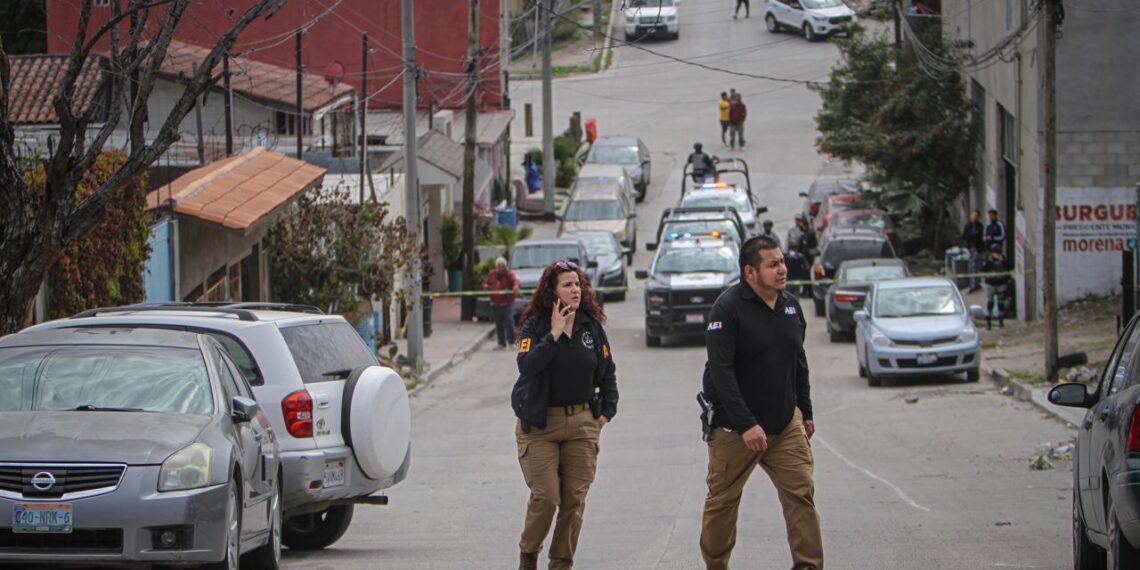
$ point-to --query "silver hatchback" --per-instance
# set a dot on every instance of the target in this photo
(133, 446)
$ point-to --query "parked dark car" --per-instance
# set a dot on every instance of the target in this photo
(823, 187)
(1106, 461)
(852, 282)
(839, 245)
(608, 252)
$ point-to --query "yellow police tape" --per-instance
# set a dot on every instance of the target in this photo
(525, 292)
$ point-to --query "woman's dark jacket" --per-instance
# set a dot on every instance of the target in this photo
(537, 347)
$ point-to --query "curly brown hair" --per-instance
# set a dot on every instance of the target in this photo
(542, 303)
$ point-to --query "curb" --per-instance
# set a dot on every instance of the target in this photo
(1024, 392)
(455, 359)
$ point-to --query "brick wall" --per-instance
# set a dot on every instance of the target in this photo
(1098, 159)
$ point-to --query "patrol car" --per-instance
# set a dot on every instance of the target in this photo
(691, 221)
(722, 193)
(685, 279)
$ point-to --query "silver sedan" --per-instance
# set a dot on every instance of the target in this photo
(917, 326)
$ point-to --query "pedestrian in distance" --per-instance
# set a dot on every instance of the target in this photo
(995, 231)
(501, 278)
(768, 233)
(736, 12)
(973, 234)
(759, 410)
(998, 284)
(737, 113)
(722, 109)
(565, 394)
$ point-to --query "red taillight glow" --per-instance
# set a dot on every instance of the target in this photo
(814, 208)
(298, 411)
(1134, 431)
(847, 297)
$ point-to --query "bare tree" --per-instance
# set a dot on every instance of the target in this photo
(34, 226)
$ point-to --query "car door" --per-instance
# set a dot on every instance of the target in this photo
(248, 445)
(646, 162)
(268, 460)
(796, 14)
(1100, 424)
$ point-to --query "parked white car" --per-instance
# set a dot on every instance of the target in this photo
(343, 422)
(651, 17)
(815, 19)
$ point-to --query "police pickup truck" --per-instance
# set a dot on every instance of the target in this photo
(685, 279)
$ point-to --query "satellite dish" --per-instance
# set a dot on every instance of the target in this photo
(334, 72)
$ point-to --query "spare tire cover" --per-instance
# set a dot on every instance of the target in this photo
(378, 426)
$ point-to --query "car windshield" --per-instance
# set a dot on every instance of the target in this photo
(734, 200)
(856, 249)
(586, 210)
(62, 378)
(599, 244)
(817, 4)
(613, 154)
(695, 260)
(597, 182)
(529, 257)
(873, 273)
(877, 221)
(823, 188)
(917, 302)
(650, 3)
(674, 230)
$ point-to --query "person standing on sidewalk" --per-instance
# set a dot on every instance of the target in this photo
(565, 394)
(995, 232)
(756, 379)
(722, 108)
(501, 278)
(973, 240)
(737, 113)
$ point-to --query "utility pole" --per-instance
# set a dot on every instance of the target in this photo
(1049, 247)
(412, 188)
(198, 121)
(300, 103)
(547, 112)
(362, 102)
(229, 104)
(467, 306)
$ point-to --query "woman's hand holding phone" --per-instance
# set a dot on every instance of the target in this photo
(559, 318)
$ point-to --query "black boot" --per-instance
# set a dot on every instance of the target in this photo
(528, 561)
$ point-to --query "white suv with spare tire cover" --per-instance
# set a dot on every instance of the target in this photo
(343, 421)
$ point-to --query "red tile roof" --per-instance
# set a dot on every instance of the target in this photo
(256, 80)
(240, 191)
(37, 78)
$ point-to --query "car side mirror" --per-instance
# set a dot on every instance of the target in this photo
(803, 194)
(626, 251)
(641, 274)
(761, 210)
(651, 246)
(860, 316)
(244, 409)
(977, 312)
(632, 215)
(1073, 395)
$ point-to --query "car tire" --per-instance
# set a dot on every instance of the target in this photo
(820, 308)
(232, 559)
(315, 531)
(862, 371)
(1121, 555)
(773, 25)
(874, 381)
(809, 33)
(676, 35)
(973, 375)
(834, 335)
(641, 192)
(630, 37)
(1086, 555)
(268, 556)
(652, 341)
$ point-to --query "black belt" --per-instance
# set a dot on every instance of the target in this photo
(568, 410)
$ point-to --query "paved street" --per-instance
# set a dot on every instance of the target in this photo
(942, 483)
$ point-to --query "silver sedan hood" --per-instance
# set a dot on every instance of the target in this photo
(134, 438)
(921, 328)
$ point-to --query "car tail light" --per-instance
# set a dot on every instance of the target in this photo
(814, 208)
(1134, 431)
(298, 411)
(819, 273)
(847, 297)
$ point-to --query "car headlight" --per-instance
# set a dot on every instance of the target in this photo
(188, 468)
(615, 270)
(880, 339)
(819, 18)
(969, 334)
(670, 18)
(657, 297)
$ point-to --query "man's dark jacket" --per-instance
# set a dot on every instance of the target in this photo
(531, 394)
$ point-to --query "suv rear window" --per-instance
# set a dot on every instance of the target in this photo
(326, 351)
(844, 250)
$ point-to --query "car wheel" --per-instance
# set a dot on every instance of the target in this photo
(652, 341)
(232, 559)
(773, 25)
(629, 37)
(820, 308)
(1121, 555)
(315, 531)
(1086, 555)
(973, 375)
(677, 34)
(873, 380)
(834, 335)
(619, 296)
(268, 557)
(809, 33)
(862, 371)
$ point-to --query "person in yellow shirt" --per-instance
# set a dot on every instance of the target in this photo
(723, 105)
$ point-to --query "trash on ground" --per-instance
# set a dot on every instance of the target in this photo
(1040, 462)
(912, 399)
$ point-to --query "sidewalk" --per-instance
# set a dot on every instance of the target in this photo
(1022, 390)
(451, 340)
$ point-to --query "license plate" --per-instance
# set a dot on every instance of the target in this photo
(42, 518)
(334, 473)
(924, 359)
(695, 318)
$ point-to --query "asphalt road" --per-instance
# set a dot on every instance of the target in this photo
(942, 483)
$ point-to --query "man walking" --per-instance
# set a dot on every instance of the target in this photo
(756, 379)
(737, 113)
(973, 235)
(501, 278)
(740, 3)
(995, 232)
(722, 107)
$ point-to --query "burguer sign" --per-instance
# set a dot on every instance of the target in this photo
(1094, 225)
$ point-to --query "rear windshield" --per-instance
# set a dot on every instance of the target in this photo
(536, 256)
(674, 230)
(606, 154)
(844, 250)
(326, 351)
(873, 273)
(587, 210)
(151, 379)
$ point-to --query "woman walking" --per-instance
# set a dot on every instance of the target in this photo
(565, 394)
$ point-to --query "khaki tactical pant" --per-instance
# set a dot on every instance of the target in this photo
(789, 464)
(558, 464)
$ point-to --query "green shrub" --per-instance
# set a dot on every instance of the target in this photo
(567, 172)
(565, 147)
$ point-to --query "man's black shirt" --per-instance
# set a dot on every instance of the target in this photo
(572, 368)
(972, 236)
(757, 370)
